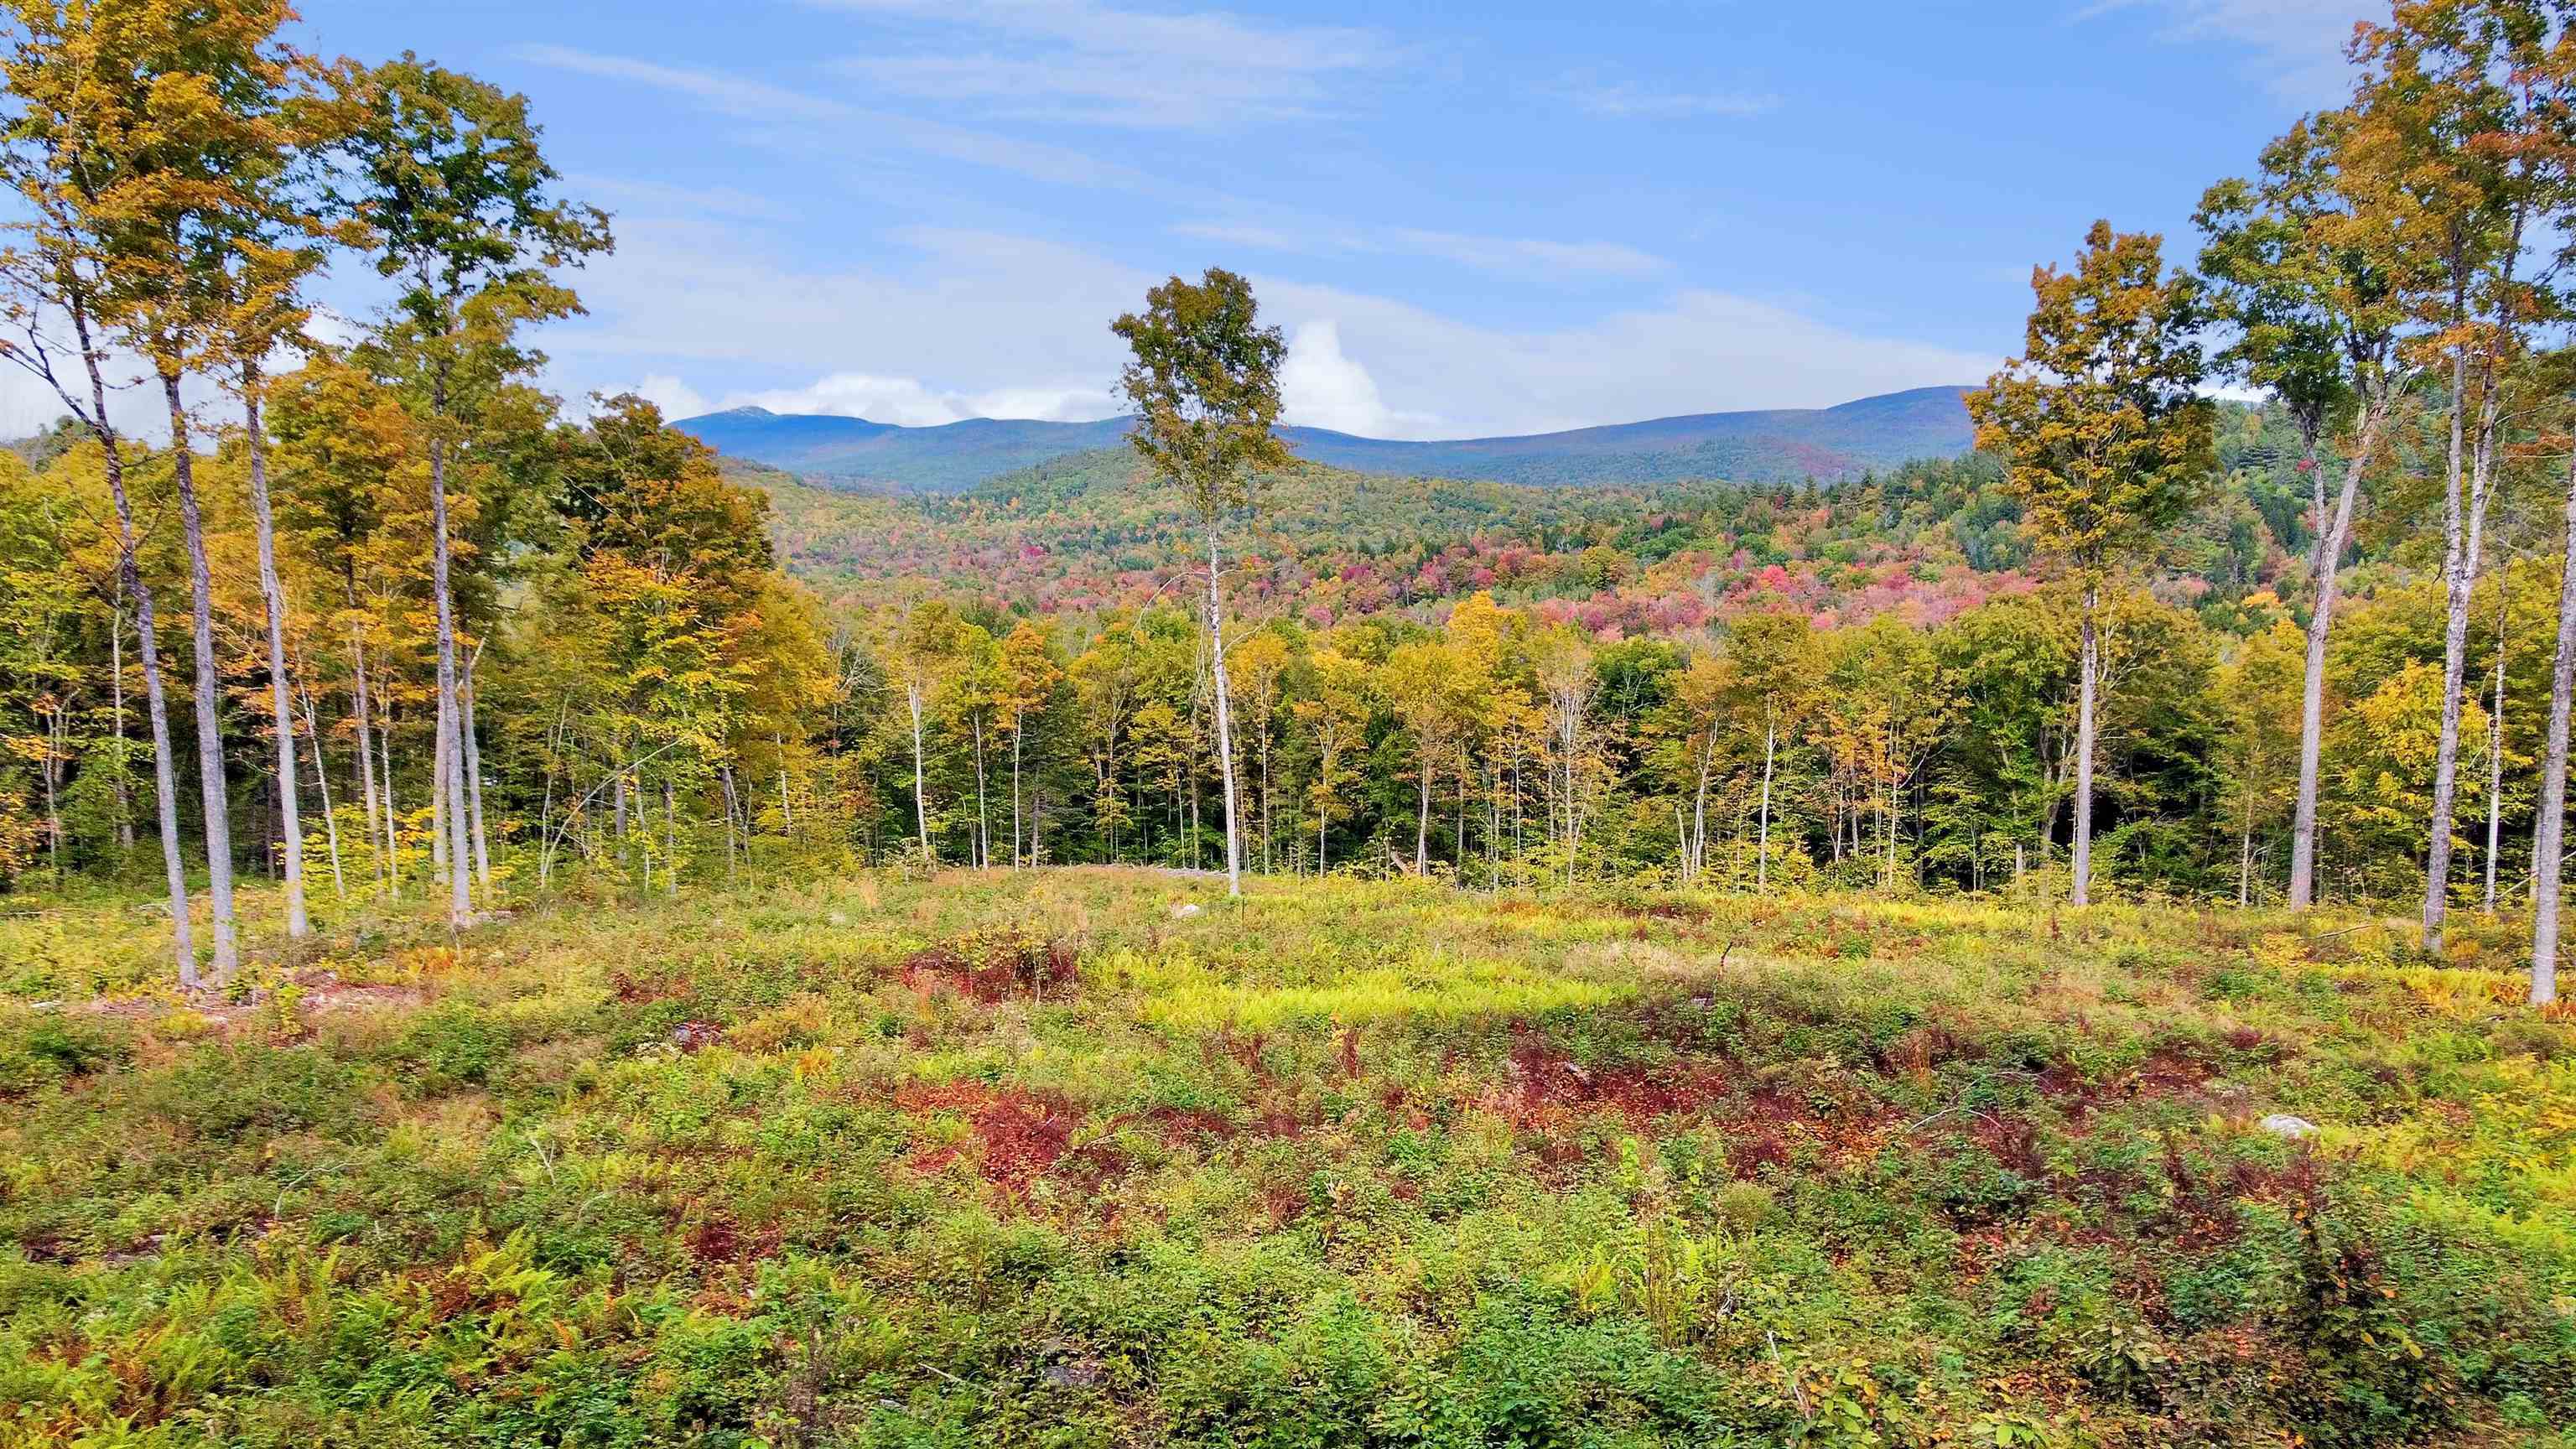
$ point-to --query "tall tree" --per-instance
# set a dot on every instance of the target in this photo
(447, 176)
(1030, 675)
(2450, 128)
(197, 87)
(1768, 677)
(1204, 380)
(928, 647)
(268, 241)
(73, 133)
(2107, 437)
(2549, 832)
(2304, 265)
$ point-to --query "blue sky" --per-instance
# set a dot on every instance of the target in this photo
(1472, 218)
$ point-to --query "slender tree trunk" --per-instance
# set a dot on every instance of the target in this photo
(2495, 741)
(366, 742)
(322, 778)
(2088, 684)
(2245, 855)
(2549, 832)
(2325, 568)
(786, 808)
(1762, 861)
(393, 817)
(724, 776)
(1224, 717)
(460, 883)
(1422, 826)
(920, 781)
(671, 839)
(2461, 540)
(1019, 728)
(1695, 848)
(438, 798)
(210, 738)
(116, 713)
(273, 596)
(983, 817)
(147, 640)
(474, 775)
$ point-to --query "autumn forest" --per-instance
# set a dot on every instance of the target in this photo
(467, 787)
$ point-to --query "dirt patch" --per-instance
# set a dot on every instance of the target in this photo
(314, 991)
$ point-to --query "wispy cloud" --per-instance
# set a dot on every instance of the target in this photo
(1521, 255)
(759, 102)
(1095, 63)
(730, 95)
(1629, 100)
(627, 195)
(2297, 45)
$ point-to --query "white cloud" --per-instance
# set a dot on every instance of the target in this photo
(1519, 255)
(675, 398)
(135, 407)
(983, 323)
(1322, 387)
(2298, 45)
(1084, 61)
(1696, 351)
(1627, 100)
(731, 95)
(846, 126)
(910, 403)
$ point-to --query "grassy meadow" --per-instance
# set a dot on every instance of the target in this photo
(1053, 1159)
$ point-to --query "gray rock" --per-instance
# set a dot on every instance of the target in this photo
(2282, 1124)
(1186, 911)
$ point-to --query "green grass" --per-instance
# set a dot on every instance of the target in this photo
(1034, 1160)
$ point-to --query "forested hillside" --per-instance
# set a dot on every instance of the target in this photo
(1080, 534)
(1784, 445)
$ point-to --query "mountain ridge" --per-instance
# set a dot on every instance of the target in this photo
(1772, 445)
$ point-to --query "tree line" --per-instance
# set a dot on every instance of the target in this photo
(438, 630)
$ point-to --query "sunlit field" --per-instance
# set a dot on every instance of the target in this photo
(1053, 1158)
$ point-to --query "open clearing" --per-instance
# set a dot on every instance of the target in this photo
(1046, 1159)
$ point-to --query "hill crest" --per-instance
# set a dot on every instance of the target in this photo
(1774, 445)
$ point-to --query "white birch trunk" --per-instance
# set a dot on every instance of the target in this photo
(210, 739)
(273, 596)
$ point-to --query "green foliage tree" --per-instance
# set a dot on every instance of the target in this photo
(446, 176)
(2108, 438)
(1204, 380)
(2304, 266)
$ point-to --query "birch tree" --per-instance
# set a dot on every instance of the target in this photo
(2106, 436)
(2304, 264)
(1204, 380)
(446, 175)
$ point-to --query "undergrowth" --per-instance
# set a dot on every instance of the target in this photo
(1036, 1160)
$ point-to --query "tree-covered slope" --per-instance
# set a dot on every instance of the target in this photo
(1773, 446)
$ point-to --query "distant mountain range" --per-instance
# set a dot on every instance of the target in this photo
(1781, 445)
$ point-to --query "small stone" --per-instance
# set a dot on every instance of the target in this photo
(1080, 1374)
(1185, 911)
(2282, 1124)
(837, 919)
